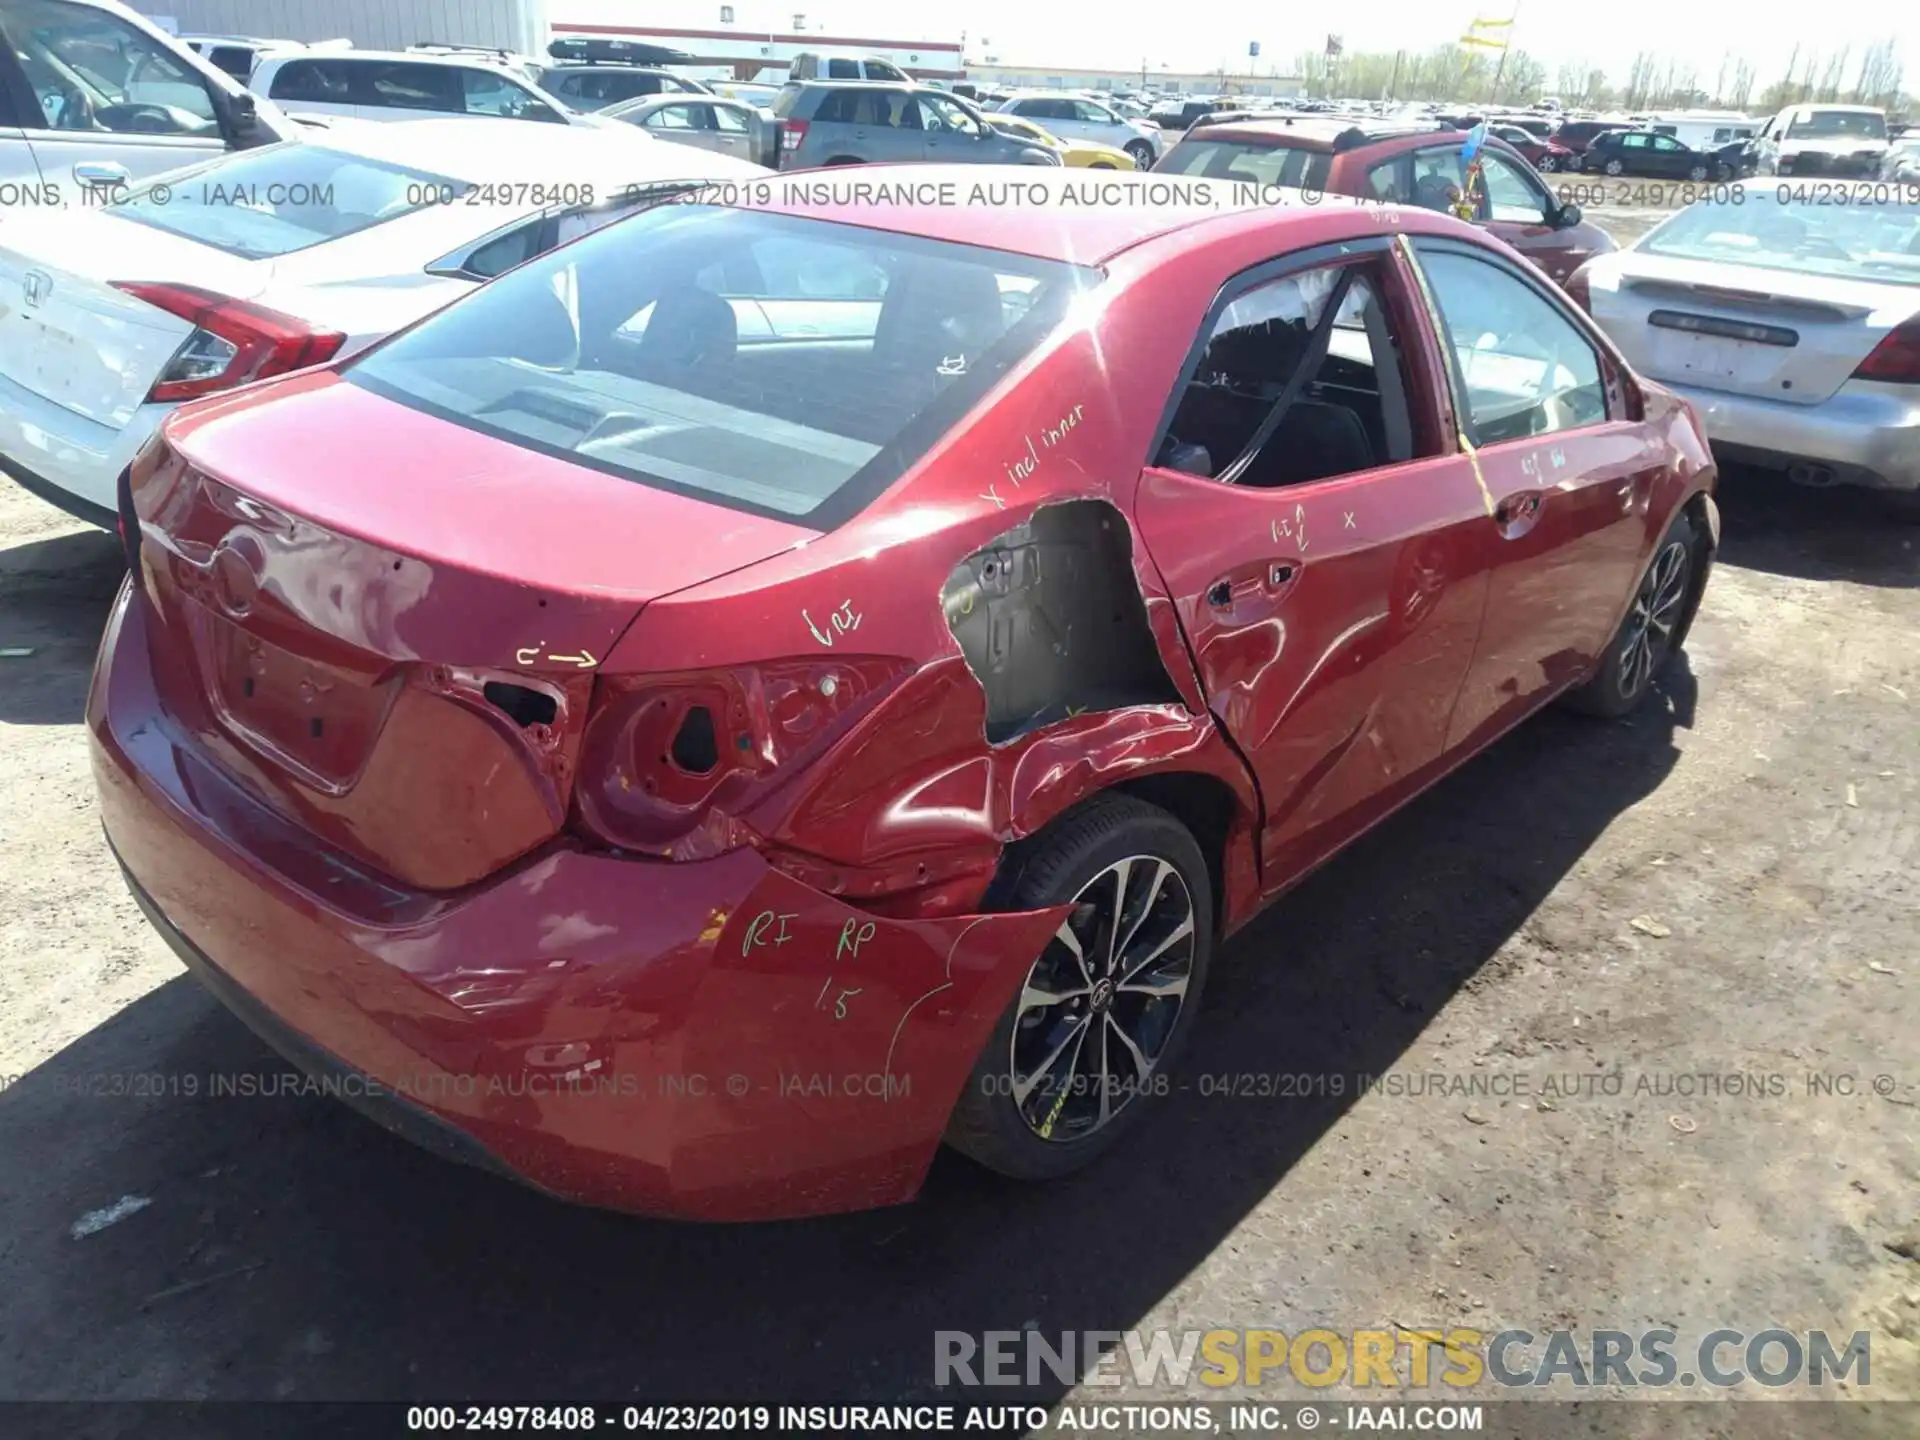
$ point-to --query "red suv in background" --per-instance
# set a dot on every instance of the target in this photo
(1545, 155)
(1400, 166)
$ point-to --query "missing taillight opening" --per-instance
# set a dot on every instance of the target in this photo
(523, 706)
(695, 748)
(233, 342)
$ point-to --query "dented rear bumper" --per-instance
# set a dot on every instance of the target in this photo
(709, 1040)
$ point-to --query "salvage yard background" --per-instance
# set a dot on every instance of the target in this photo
(1724, 884)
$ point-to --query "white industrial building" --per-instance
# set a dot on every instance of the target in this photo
(519, 25)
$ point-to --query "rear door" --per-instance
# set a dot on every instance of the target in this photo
(1567, 476)
(1670, 158)
(1322, 556)
(110, 104)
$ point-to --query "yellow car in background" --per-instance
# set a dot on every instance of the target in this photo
(1088, 154)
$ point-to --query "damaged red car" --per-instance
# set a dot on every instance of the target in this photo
(755, 693)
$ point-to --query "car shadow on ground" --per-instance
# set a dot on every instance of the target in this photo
(292, 1249)
(1843, 533)
(54, 598)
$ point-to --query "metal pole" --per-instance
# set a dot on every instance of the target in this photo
(1501, 68)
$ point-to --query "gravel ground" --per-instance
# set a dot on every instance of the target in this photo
(1721, 885)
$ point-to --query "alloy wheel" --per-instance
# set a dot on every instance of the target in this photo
(1651, 621)
(1103, 999)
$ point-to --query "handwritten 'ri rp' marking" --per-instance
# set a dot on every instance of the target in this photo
(757, 928)
(843, 621)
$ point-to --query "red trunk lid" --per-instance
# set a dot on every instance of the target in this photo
(386, 625)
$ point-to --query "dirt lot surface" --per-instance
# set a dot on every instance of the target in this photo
(1721, 886)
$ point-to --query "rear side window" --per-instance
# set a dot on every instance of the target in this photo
(784, 366)
(282, 198)
(318, 82)
(234, 59)
(1253, 162)
(843, 70)
(412, 87)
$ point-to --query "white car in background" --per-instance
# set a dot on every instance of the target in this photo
(405, 85)
(1823, 140)
(1074, 117)
(280, 258)
(102, 98)
(1791, 324)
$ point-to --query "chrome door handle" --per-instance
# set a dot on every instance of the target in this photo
(101, 173)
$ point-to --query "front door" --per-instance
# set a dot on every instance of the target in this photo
(1515, 205)
(114, 105)
(1568, 478)
(1318, 535)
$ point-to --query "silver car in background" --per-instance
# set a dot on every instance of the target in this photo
(706, 122)
(1791, 321)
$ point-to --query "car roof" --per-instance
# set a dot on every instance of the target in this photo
(1081, 233)
(1318, 132)
(459, 147)
(462, 59)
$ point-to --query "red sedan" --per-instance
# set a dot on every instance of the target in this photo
(756, 692)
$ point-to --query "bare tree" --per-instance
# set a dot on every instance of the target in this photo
(1880, 75)
(1742, 90)
(1833, 76)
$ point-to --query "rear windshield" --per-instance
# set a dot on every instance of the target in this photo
(1258, 161)
(1849, 233)
(784, 366)
(279, 199)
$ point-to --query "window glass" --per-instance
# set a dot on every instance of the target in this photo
(1635, 142)
(315, 82)
(1667, 143)
(282, 198)
(488, 94)
(91, 71)
(1349, 414)
(881, 70)
(503, 252)
(236, 60)
(412, 87)
(1255, 163)
(1510, 195)
(684, 349)
(1437, 178)
(843, 70)
(1384, 182)
(1094, 114)
(673, 117)
(945, 116)
(1877, 242)
(1526, 368)
(728, 119)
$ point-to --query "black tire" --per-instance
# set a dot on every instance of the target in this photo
(1615, 168)
(1699, 174)
(1548, 164)
(1619, 683)
(1102, 165)
(1075, 856)
(846, 160)
(1141, 152)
